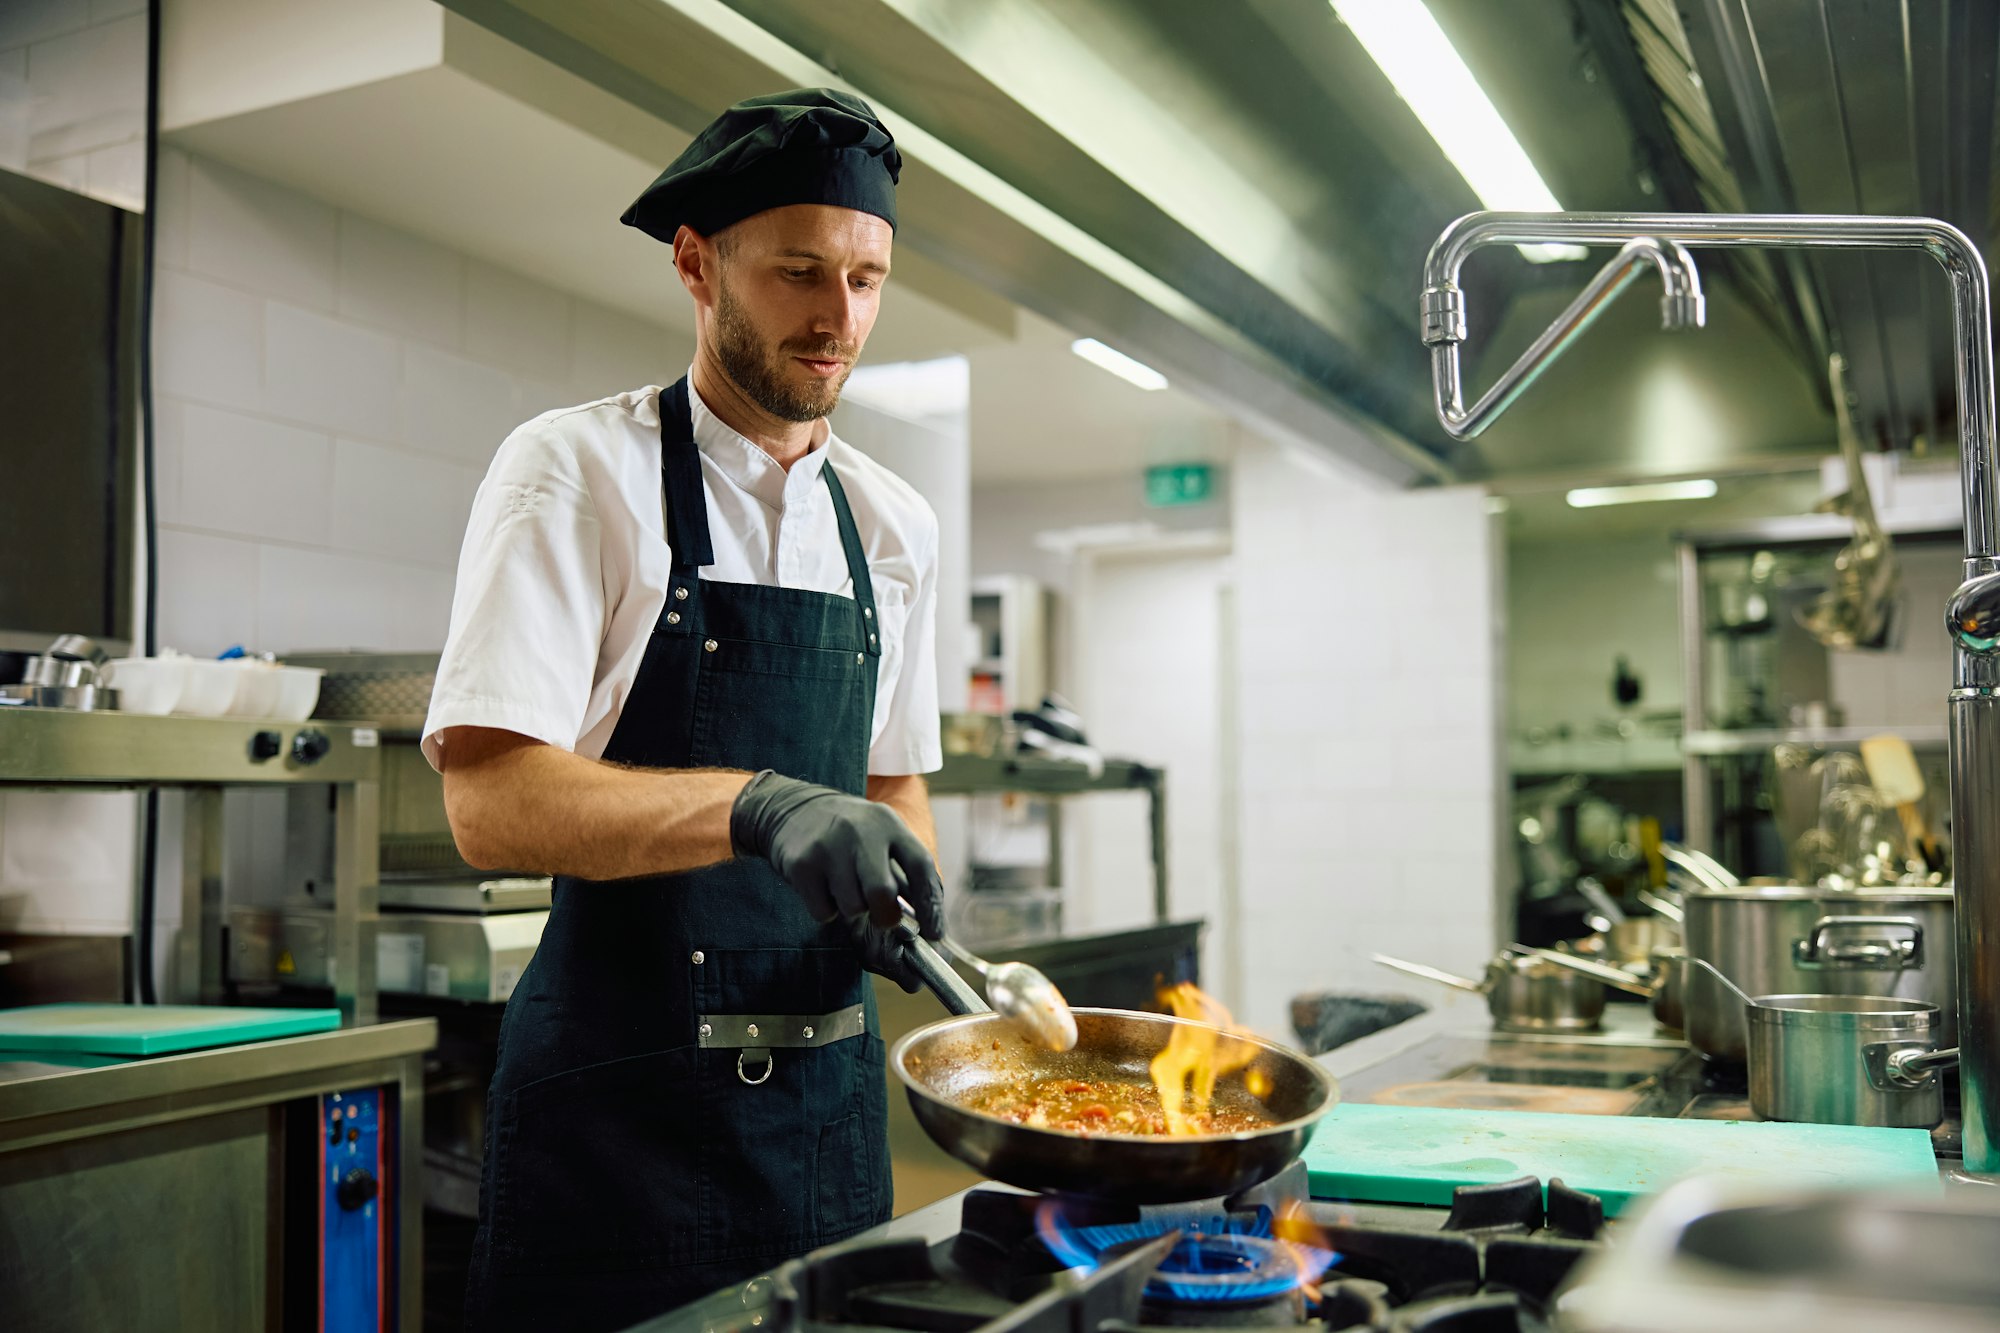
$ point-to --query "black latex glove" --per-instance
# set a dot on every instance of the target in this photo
(886, 952)
(839, 853)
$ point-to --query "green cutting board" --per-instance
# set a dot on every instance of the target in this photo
(151, 1029)
(1419, 1154)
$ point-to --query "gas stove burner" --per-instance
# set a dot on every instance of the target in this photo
(1225, 1258)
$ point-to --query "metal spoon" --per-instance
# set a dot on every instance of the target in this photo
(1024, 996)
(1019, 993)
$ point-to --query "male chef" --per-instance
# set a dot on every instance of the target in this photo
(691, 674)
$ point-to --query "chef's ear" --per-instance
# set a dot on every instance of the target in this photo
(698, 260)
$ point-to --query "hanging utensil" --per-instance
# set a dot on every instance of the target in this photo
(1892, 767)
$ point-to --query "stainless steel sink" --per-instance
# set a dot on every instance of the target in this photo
(1720, 1257)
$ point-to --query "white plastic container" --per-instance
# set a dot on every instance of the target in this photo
(149, 685)
(209, 687)
(257, 693)
(298, 691)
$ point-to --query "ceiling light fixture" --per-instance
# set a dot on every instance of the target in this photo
(1427, 73)
(1119, 364)
(1591, 497)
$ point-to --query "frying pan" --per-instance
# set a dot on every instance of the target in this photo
(943, 1063)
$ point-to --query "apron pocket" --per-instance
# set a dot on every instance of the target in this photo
(793, 1161)
(594, 1168)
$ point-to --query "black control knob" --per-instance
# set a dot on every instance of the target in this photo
(356, 1188)
(266, 745)
(309, 747)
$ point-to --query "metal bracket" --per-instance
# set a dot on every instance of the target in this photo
(762, 1032)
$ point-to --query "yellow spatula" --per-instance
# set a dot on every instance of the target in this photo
(1892, 768)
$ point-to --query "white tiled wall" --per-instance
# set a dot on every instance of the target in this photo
(1368, 632)
(329, 393)
(1574, 608)
(73, 95)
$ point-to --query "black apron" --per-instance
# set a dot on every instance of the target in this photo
(690, 1081)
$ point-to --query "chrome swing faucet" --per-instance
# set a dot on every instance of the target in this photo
(1973, 615)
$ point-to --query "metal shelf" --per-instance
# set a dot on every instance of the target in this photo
(54, 747)
(1717, 743)
(971, 774)
(44, 746)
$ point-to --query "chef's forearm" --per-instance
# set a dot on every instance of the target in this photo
(517, 804)
(909, 797)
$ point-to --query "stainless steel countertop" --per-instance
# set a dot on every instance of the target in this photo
(36, 1090)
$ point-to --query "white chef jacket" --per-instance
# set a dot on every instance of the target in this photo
(564, 573)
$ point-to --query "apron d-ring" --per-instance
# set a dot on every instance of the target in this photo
(768, 1063)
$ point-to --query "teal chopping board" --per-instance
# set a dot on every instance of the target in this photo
(151, 1029)
(1419, 1154)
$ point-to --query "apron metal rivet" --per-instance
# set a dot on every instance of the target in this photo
(699, 958)
(871, 638)
(707, 1031)
(858, 658)
(673, 617)
(868, 611)
(808, 1033)
(752, 1029)
(680, 594)
(710, 645)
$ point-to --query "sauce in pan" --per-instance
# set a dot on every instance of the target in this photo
(1103, 1106)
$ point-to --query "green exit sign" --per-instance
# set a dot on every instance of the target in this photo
(1180, 484)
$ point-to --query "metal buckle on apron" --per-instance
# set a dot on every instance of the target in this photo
(755, 1035)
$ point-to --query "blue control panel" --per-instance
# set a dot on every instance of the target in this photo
(354, 1234)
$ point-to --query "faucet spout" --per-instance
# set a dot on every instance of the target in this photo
(1973, 706)
(1682, 306)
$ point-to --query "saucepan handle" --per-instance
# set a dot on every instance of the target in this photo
(1610, 976)
(1891, 1067)
(1430, 973)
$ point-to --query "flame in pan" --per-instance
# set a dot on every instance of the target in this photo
(1196, 1055)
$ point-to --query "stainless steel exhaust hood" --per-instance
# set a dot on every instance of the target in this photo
(1236, 194)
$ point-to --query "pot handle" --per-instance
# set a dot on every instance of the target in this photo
(1892, 1067)
(1590, 967)
(1430, 973)
(1819, 949)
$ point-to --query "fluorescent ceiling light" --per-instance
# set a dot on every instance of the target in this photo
(1403, 38)
(1590, 497)
(1119, 364)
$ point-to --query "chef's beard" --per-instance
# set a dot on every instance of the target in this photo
(760, 369)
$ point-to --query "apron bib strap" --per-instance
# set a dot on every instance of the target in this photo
(684, 503)
(857, 563)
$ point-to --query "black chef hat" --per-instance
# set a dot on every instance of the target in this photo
(805, 146)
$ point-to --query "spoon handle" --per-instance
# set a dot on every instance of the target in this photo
(943, 979)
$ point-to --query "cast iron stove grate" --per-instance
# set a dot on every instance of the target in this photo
(1492, 1265)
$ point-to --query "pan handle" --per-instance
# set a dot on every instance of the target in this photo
(942, 979)
(1429, 973)
(1589, 967)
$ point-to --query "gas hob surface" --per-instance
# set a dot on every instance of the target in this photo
(1023, 1263)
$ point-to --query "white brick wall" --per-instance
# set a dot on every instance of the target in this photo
(331, 391)
(1368, 626)
(73, 95)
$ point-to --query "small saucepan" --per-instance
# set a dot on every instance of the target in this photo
(1664, 990)
(1843, 1059)
(1524, 993)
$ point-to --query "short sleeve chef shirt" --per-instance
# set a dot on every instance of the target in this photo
(564, 573)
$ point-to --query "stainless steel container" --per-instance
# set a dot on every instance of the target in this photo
(1825, 1059)
(1524, 993)
(1782, 939)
